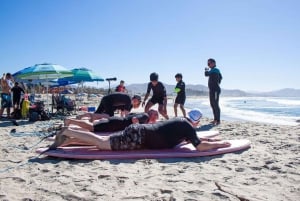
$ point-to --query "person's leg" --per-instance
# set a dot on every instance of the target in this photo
(206, 145)
(81, 123)
(162, 110)
(102, 142)
(148, 106)
(215, 106)
(212, 104)
(175, 109)
(182, 110)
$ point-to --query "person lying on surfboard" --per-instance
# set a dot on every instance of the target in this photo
(161, 135)
(112, 124)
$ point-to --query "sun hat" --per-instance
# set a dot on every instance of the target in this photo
(195, 114)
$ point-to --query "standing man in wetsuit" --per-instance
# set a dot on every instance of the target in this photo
(159, 95)
(17, 91)
(180, 98)
(121, 101)
(214, 80)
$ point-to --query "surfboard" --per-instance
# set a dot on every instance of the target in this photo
(183, 150)
(200, 134)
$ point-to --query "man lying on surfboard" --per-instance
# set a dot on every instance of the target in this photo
(161, 135)
(112, 124)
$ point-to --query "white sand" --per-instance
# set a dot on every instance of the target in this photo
(269, 170)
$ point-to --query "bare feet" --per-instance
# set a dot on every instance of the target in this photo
(60, 139)
(67, 122)
(205, 145)
(215, 122)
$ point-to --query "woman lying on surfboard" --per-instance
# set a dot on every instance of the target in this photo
(161, 135)
(112, 124)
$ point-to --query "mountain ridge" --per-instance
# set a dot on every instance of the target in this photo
(202, 90)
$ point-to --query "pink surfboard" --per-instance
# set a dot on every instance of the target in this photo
(183, 150)
(201, 134)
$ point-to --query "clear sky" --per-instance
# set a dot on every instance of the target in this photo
(256, 43)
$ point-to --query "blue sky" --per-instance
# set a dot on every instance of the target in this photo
(256, 43)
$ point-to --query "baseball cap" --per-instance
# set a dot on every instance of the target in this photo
(195, 114)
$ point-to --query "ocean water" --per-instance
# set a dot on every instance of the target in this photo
(275, 110)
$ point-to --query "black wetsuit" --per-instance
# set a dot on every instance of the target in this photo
(180, 89)
(158, 92)
(113, 124)
(162, 135)
(114, 101)
(214, 82)
(17, 90)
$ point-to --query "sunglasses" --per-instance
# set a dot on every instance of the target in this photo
(208, 64)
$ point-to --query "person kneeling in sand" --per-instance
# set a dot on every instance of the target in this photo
(161, 135)
(112, 124)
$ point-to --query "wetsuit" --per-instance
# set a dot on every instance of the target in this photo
(180, 90)
(214, 82)
(16, 90)
(113, 124)
(159, 92)
(162, 135)
(114, 101)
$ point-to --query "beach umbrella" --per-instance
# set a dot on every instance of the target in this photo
(43, 72)
(82, 75)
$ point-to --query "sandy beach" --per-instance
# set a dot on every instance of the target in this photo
(269, 170)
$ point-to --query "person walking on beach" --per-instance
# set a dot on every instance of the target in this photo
(121, 87)
(180, 98)
(6, 85)
(161, 135)
(159, 95)
(122, 101)
(214, 80)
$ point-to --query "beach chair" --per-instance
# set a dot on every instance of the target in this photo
(62, 105)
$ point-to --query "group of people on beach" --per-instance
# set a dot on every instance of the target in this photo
(10, 94)
(134, 131)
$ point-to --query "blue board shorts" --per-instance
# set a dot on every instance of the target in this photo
(5, 100)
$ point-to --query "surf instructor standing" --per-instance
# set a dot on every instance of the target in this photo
(214, 80)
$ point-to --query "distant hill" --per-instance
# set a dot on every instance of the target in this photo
(201, 90)
(288, 92)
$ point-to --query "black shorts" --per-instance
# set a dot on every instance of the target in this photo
(180, 100)
(133, 137)
(159, 100)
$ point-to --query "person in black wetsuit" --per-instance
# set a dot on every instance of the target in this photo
(214, 80)
(17, 91)
(121, 101)
(180, 98)
(162, 135)
(159, 95)
(112, 124)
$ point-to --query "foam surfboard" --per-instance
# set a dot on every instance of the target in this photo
(183, 150)
(200, 134)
